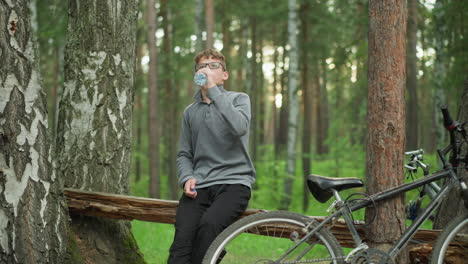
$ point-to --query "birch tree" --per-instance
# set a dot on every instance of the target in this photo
(33, 215)
(95, 116)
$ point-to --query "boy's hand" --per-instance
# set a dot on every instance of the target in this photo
(189, 188)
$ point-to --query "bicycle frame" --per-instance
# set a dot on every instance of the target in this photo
(346, 211)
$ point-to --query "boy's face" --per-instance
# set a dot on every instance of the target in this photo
(218, 75)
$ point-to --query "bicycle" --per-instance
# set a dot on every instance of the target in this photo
(295, 238)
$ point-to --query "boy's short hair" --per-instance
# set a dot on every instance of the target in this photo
(211, 53)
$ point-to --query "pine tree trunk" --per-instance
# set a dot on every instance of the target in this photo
(253, 93)
(95, 118)
(262, 112)
(209, 18)
(359, 95)
(274, 112)
(281, 135)
(386, 119)
(307, 109)
(170, 106)
(453, 204)
(199, 23)
(227, 46)
(33, 216)
(139, 108)
(440, 72)
(412, 123)
(293, 106)
(154, 132)
(322, 113)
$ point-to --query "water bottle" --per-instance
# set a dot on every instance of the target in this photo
(200, 79)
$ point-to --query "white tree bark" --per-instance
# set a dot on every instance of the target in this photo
(33, 217)
(95, 117)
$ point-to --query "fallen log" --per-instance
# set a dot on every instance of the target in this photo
(163, 211)
(124, 207)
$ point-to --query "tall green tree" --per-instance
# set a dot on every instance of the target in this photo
(293, 105)
(154, 121)
(307, 104)
(440, 71)
(412, 122)
(171, 102)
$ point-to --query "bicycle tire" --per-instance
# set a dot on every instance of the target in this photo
(240, 244)
(452, 242)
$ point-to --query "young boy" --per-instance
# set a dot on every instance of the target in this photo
(213, 164)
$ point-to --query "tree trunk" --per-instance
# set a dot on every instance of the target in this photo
(315, 87)
(139, 112)
(199, 23)
(307, 109)
(253, 91)
(386, 119)
(412, 123)
(322, 113)
(154, 132)
(95, 117)
(358, 102)
(274, 117)
(293, 106)
(227, 47)
(33, 216)
(281, 135)
(209, 18)
(170, 106)
(261, 94)
(453, 204)
(440, 72)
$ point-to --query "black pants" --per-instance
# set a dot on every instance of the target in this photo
(200, 220)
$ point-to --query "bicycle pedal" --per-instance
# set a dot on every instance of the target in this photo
(294, 236)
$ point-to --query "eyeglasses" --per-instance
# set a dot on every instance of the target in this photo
(211, 65)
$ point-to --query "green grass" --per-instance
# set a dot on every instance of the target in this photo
(155, 239)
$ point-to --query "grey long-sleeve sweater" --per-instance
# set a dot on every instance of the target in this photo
(213, 144)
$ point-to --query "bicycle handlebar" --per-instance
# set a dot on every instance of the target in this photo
(415, 152)
(449, 124)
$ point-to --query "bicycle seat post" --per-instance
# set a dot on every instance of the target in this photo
(337, 195)
(347, 217)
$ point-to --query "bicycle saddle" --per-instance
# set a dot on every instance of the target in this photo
(321, 187)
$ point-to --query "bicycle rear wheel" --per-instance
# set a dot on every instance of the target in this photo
(264, 237)
(452, 244)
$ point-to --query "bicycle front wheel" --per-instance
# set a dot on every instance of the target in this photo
(452, 244)
(265, 238)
